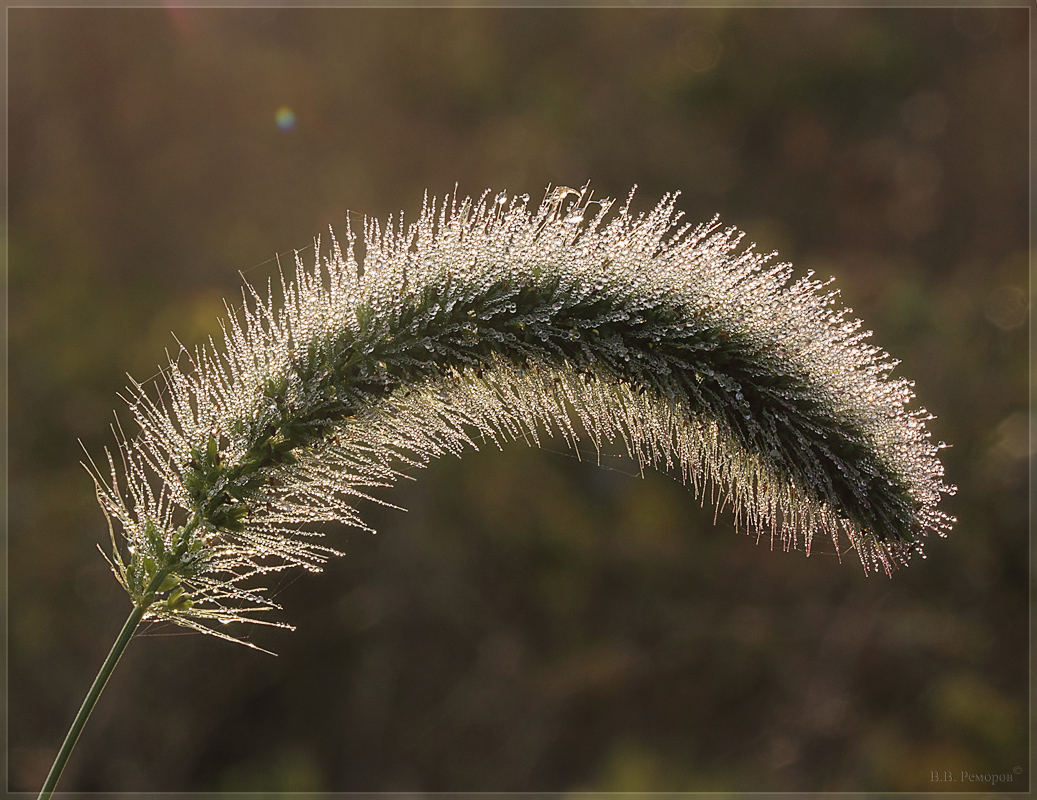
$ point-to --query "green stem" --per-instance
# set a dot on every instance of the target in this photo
(91, 699)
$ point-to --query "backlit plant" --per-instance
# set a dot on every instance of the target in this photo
(485, 322)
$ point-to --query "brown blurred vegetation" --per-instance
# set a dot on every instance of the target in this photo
(533, 622)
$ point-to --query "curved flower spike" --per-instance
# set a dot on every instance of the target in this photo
(484, 321)
(488, 322)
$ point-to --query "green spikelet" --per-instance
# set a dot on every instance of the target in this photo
(487, 322)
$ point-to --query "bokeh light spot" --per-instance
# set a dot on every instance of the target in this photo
(285, 118)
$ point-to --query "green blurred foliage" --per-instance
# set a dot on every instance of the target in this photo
(533, 621)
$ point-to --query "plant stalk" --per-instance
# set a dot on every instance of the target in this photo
(136, 615)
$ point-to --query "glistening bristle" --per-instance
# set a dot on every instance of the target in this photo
(484, 321)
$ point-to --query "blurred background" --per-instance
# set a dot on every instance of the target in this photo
(532, 622)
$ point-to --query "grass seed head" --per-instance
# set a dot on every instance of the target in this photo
(489, 321)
